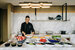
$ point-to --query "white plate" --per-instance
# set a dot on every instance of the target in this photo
(40, 45)
(67, 45)
(49, 45)
(58, 45)
(31, 45)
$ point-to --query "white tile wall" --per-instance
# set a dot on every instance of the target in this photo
(18, 18)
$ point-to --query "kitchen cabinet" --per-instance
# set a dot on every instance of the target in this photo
(3, 25)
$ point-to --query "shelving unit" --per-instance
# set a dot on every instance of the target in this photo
(64, 16)
(48, 20)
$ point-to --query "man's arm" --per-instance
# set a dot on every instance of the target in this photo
(33, 31)
(22, 29)
(23, 33)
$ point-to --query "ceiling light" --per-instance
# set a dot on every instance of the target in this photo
(45, 7)
(35, 4)
(46, 4)
(21, 4)
(25, 6)
(35, 7)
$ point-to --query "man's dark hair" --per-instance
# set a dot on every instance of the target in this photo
(27, 16)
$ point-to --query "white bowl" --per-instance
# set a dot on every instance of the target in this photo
(49, 45)
(31, 45)
(40, 45)
(57, 45)
(67, 45)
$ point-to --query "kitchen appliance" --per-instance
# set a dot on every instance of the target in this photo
(63, 32)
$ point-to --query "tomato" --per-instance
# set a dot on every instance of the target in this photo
(20, 38)
(43, 40)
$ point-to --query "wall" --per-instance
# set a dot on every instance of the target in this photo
(42, 14)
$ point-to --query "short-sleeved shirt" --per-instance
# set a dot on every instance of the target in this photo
(27, 28)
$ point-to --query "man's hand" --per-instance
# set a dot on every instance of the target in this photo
(32, 33)
(23, 33)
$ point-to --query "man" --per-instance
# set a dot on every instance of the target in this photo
(27, 27)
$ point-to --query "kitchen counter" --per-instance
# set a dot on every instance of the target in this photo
(26, 47)
(37, 48)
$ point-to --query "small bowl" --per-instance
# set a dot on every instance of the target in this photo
(7, 44)
(50, 43)
(53, 41)
(40, 45)
(13, 44)
(47, 45)
(19, 45)
(27, 42)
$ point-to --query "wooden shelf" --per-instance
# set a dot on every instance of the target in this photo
(48, 20)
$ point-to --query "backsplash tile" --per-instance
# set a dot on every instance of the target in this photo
(42, 27)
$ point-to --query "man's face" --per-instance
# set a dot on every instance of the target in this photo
(27, 20)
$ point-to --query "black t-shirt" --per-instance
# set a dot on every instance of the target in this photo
(27, 28)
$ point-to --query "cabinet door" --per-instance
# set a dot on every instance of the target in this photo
(1, 24)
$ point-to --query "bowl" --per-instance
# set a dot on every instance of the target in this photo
(53, 41)
(57, 45)
(28, 36)
(13, 44)
(62, 43)
(27, 42)
(67, 45)
(49, 43)
(19, 45)
(22, 41)
(39, 45)
(7, 44)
